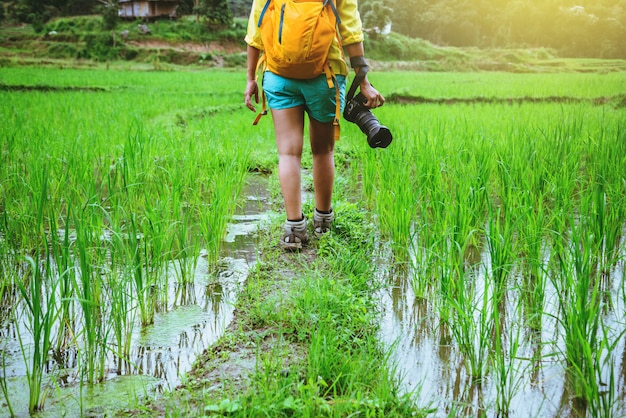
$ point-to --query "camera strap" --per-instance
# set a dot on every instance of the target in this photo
(360, 75)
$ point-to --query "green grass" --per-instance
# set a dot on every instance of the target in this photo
(118, 192)
(109, 178)
(529, 182)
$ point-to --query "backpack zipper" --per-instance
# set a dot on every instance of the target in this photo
(267, 4)
(282, 21)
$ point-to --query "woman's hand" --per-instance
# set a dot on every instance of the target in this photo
(374, 98)
(252, 89)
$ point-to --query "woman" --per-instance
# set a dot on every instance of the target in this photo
(289, 99)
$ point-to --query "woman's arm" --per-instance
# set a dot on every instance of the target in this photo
(374, 98)
(252, 89)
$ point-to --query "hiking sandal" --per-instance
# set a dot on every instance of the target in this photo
(295, 236)
(322, 222)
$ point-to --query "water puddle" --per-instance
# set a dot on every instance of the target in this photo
(163, 352)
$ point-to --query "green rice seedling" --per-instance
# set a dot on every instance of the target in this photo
(605, 217)
(159, 232)
(477, 173)
(430, 237)
(8, 278)
(63, 260)
(38, 292)
(607, 173)
(500, 245)
(462, 231)
(144, 285)
(564, 181)
(4, 388)
(122, 306)
(119, 303)
(506, 367)
(38, 295)
(471, 324)
(8, 302)
(225, 186)
(91, 297)
(531, 245)
(395, 202)
(121, 316)
(580, 311)
(168, 229)
(187, 250)
(605, 401)
(533, 267)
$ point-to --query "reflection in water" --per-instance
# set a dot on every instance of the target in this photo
(431, 367)
(203, 308)
(197, 314)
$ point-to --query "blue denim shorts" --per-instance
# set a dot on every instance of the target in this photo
(318, 100)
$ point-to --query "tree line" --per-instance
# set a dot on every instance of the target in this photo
(574, 28)
(40, 11)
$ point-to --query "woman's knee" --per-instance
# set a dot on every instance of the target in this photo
(322, 137)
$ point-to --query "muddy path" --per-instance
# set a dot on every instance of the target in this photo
(297, 311)
(229, 363)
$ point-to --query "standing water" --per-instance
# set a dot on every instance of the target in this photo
(163, 352)
(431, 367)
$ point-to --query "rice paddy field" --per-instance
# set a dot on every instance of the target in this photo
(500, 211)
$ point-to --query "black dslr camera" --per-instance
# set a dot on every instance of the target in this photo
(378, 136)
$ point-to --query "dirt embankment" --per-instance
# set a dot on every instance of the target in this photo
(197, 47)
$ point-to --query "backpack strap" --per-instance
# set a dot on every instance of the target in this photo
(332, 6)
(337, 112)
(260, 67)
(331, 80)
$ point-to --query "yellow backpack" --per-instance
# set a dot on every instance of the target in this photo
(297, 36)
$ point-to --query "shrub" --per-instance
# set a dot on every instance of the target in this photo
(99, 47)
(395, 47)
(129, 54)
(62, 50)
(235, 60)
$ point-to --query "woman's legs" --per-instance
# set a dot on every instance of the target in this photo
(289, 127)
(322, 148)
(289, 131)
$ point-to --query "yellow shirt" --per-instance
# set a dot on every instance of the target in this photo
(350, 31)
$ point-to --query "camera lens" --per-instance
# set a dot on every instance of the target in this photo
(381, 138)
(378, 136)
